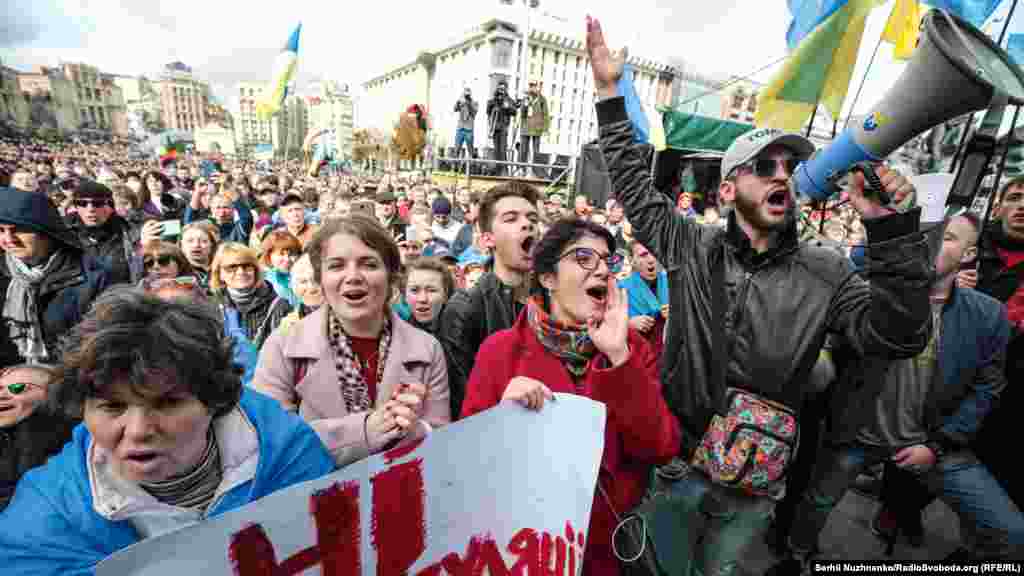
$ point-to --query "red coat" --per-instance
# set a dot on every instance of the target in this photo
(640, 430)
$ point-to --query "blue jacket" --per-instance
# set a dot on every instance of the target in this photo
(51, 528)
(642, 301)
(236, 231)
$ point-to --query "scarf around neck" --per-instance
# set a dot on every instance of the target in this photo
(21, 311)
(571, 345)
(194, 489)
(243, 297)
(643, 301)
(354, 388)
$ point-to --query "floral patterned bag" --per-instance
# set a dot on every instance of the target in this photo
(751, 446)
(750, 443)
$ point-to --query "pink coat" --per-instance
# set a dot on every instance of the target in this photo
(414, 357)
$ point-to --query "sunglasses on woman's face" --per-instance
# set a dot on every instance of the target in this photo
(235, 268)
(16, 388)
(589, 259)
(161, 260)
(185, 282)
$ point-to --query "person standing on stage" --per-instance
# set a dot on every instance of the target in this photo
(500, 110)
(466, 109)
(534, 122)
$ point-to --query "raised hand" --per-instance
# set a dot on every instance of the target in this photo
(894, 183)
(610, 330)
(607, 66)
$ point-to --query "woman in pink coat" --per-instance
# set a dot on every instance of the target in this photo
(364, 379)
(574, 337)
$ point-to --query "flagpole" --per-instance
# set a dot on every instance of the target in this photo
(863, 81)
(810, 126)
(967, 128)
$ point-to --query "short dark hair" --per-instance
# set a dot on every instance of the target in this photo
(549, 249)
(433, 264)
(368, 231)
(131, 334)
(290, 199)
(513, 189)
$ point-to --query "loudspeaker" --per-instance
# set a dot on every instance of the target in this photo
(956, 69)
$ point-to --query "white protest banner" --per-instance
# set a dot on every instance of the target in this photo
(932, 192)
(502, 491)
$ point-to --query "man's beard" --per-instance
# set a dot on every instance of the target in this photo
(751, 212)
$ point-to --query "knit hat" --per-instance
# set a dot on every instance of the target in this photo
(441, 206)
(91, 189)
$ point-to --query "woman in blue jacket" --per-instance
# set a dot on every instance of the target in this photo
(170, 437)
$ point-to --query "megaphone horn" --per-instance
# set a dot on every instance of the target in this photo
(956, 69)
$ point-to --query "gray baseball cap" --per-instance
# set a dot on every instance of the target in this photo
(747, 146)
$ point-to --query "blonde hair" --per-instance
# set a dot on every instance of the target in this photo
(233, 249)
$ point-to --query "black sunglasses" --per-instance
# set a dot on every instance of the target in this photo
(589, 259)
(87, 203)
(162, 260)
(766, 167)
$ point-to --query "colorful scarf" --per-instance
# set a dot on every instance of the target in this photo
(571, 345)
(354, 388)
(642, 301)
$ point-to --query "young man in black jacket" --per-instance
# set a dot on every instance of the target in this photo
(508, 224)
(104, 235)
(782, 298)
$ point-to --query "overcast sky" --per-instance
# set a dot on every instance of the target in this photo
(226, 41)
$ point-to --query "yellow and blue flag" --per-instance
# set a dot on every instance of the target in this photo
(903, 27)
(284, 72)
(826, 35)
(647, 123)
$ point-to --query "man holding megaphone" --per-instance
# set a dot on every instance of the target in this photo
(751, 308)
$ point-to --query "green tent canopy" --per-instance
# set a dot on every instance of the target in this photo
(694, 133)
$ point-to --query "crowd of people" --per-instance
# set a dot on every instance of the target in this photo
(181, 338)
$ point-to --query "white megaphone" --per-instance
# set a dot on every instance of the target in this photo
(956, 69)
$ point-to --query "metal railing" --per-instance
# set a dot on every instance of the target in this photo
(467, 164)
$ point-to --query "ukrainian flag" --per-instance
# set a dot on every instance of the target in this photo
(284, 72)
(647, 122)
(904, 24)
(826, 35)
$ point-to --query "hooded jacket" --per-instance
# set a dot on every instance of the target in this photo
(60, 533)
(66, 294)
(28, 444)
(780, 304)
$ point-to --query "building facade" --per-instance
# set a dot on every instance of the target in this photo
(184, 99)
(739, 102)
(330, 106)
(51, 98)
(284, 131)
(143, 104)
(488, 54)
(13, 103)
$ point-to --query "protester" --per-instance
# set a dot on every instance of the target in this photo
(105, 236)
(199, 241)
(157, 199)
(574, 337)
(170, 437)
(233, 219)
(647, 294)
(293, 219)
(444, 227)
(362, 377)
(428, 284)
(277, 255)
(164, 260)
(387, 213)
(31, 431)
(508, 225)
(469, 213)
(47, 282)
(237, 283)
(924, 422)
(782, 301)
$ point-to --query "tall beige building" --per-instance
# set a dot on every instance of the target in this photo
(13, 104)
(52, 99)
(284, 131)
(331, 107)
(489, 53)
(143, 104)
(184, 99)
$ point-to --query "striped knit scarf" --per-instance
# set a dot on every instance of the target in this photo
(194, 489)
(571, 345)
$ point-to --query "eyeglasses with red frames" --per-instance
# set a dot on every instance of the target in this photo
(156, 284)
(589, 259)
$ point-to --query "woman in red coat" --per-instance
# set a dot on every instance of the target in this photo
(574, 337)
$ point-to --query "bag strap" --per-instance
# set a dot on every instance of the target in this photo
(719, 358)
(619, 523)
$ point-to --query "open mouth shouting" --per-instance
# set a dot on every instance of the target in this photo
(143, 462)
(527, 246)
(778, 200)
(598, 293)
